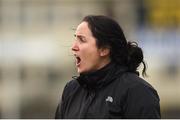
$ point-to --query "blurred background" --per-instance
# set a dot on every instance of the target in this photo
(36, 60)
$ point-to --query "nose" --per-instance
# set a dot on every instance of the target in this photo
(75, 46)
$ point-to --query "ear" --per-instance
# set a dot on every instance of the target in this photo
(104, 51)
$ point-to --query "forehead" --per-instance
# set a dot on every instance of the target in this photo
(83, 29)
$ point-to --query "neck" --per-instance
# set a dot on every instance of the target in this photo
(103, 63)
(102, 66)
(96, 78)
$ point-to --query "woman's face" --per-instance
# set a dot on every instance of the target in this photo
(88, 56)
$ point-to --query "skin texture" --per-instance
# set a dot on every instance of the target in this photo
(88, 56)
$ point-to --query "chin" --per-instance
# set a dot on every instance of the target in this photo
(80, 71)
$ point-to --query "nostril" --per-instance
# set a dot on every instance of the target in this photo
(74, 48)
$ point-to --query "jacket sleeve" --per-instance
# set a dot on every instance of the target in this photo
(142, 102)
(59, 111)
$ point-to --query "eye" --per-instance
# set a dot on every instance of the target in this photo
(79, 38)
(82, 39)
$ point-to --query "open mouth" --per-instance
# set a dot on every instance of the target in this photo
(78, 60)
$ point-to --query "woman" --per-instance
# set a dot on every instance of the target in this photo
(108, 85)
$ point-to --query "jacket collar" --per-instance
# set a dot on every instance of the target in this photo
(100, 78)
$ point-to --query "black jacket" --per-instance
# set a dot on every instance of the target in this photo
(111, 92)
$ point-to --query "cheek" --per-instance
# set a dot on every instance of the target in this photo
(92, 54)
(91, 59)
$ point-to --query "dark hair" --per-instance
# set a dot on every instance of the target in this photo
(108, 33)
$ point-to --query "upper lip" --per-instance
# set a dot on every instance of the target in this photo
(75, 55)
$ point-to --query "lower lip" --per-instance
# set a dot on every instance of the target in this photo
(77, 64)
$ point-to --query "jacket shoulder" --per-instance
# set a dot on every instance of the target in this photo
(138, 86)
(135, 84)
(142, 99)
(132, 80)
(72, 85)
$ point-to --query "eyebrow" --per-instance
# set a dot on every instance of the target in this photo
(75, 35)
